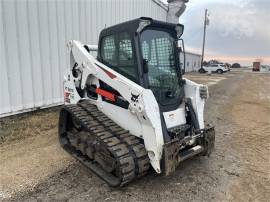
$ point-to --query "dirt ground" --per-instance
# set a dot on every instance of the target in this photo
(33, 167)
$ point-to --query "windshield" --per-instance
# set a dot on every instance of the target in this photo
(158, 50)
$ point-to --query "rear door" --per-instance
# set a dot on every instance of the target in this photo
(213, 67)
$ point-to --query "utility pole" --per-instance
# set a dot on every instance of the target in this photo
(204, 30)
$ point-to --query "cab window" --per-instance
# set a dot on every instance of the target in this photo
(117, 53)
(108, 50)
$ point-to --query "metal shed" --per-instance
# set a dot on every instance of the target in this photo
(193, 61)
(33, 35)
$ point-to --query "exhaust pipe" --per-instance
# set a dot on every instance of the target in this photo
(175, 9)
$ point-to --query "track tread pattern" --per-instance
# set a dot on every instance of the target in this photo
(129, 152)
(136, 148)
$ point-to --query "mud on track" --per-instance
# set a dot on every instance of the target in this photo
(35, 168)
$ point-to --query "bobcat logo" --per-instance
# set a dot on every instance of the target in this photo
(134, 98)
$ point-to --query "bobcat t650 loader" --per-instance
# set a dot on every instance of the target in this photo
(129, 108)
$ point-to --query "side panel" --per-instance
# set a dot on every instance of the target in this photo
(5, 102)
(34, 35)
(12, 53)
(122, 117)
(192, 90)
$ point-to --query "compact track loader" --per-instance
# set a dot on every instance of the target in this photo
(129, 108)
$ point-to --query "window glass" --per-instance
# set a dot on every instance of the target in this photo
(125, 49)
(158, 49)
(126, 62)
(117, 52)
(108, 50)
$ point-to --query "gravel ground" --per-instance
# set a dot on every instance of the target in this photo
(35, 168)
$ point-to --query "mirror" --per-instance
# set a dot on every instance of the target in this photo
(145, 66)
(181, 51)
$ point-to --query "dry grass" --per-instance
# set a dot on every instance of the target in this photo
(20, 126)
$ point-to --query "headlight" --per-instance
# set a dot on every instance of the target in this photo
(203, 92)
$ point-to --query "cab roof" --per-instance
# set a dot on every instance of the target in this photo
(132, 26)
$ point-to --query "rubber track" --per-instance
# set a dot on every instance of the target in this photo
(136, 148)
(127, 150)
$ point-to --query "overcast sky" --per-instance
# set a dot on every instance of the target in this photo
(239, 30)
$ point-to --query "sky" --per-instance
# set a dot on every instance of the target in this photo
(239, 30)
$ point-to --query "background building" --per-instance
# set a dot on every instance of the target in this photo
(33, 37)
(193, 61)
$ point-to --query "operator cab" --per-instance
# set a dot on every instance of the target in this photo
(146, 51)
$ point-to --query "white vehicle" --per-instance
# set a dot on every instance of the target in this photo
(130, 108)
(214, 68)
(265, 68)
